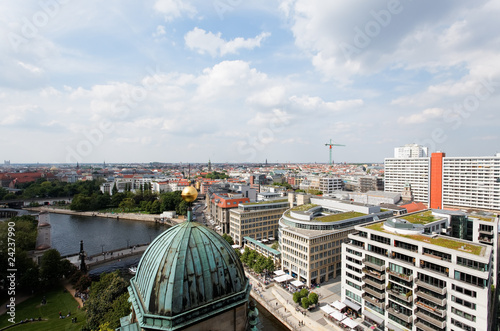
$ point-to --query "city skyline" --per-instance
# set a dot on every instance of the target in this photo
(241, 82)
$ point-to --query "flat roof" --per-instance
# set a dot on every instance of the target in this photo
(438, 240)
(264, 246)
(339, 217)
(423, 217)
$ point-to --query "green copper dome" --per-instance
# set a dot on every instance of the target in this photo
(188, 273)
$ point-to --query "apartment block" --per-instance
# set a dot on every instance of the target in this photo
(406, 274)
(447, 182)
(256, 220)
(330, 184)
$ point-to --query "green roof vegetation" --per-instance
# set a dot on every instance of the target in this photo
(304, 207)
(438, 241)
(264, 202)
(376, 226)
(339, 217)
(448, 243)
(420, 218)
(483, 218)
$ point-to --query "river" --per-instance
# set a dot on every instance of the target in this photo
(103, 234)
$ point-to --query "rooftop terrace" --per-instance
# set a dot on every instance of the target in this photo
(447, 242)
(339, 217)
(423, 218)
(304, 207)
(264, 202)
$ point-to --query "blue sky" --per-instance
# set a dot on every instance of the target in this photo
(245, 81)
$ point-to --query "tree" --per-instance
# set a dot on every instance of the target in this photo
(305, 303)
(127, 204)
(313, 298)
(304, 292)
(119, 308)
(275, 245)
(269, 265)
(228, 238)
(296, 297)
(114, 190)
(51, 269)
(102, 296)
(83, 283)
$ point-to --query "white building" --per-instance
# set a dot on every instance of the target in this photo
(410, 151)
(330, 184)
(403, 275)
(415, 171)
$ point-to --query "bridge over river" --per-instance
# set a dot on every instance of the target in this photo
(107, 256)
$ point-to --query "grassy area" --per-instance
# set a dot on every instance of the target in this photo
(483, 218)
(57, 301)
(440, 241)
(420, 218)
(339, 217)
(305, 207)
(448, 243)
(377, 226)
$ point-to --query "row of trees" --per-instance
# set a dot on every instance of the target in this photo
(29, 275)
(304, 298)
(257, 262)
(42, 188)
(216, 175)
(143, 200)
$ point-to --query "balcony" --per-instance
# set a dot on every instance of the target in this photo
(374, 274)
(487, 232)
(424, 327)
(373, 265)
(437, 301)
(406, 318)
(439, 312)
(407, 278)
(439, 290)
(375, 302)
(401, 295)
(380, 286)
(433, 321)
(485, 239)
(380, 296)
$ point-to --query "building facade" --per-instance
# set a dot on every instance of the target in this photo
(330, 184)
(311, 235)
(440, 181)
(258, 220)
(410, 151)
(404, 275)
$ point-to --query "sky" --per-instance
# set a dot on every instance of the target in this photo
(245, 81)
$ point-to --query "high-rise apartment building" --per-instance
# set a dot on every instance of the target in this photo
(440, 181)
(403, 274)
(410, 151)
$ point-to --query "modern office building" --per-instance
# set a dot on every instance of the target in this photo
(311, 234)
(405, 274)
(371, 183)
(447, 182)
(257, 220)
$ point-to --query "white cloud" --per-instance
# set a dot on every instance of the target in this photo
(316, 103)
(172, 9)
(207, 42)
(30, 67)
(160, 32)
(424, 116)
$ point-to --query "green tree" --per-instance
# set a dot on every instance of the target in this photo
(305, 303)
(83, 283)
(228, 238)
(155, 207)
(313, 298)
(101, 297)
(3, 193)
(127, 204)
(260, 264)
(51, 269)
(269, 265)
(114, 190)
(296, 297)
(304, 292)
(275, 245)
(119, 308)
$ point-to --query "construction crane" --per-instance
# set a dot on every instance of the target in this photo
(331, 144)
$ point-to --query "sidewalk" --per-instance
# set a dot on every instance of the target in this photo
(280, 303)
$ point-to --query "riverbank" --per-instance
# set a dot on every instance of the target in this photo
(118, 216)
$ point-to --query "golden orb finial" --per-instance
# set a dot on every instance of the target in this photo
(189, 194)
